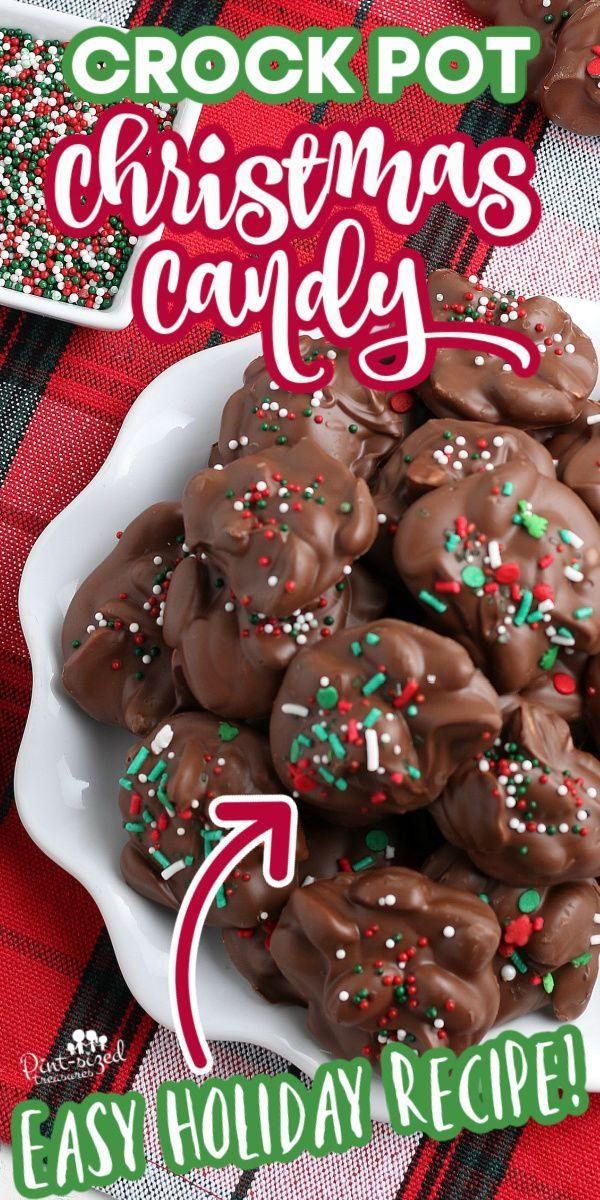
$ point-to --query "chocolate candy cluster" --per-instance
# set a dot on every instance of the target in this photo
(387, 606)
(565, 76)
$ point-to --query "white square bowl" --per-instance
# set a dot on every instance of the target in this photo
(52, 24)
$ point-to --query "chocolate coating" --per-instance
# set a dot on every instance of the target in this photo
(441, 452)
(282, 525)
(562, 688)
(331, 848)
(376, 719)
(509, 564)
(477, 387)
(116, 666)
(579, 469)
(233, 660)
(549, 19)
(545, 955)
(425, 956)
(592, 699)
(352, 423)
(528, 809)
(570, 92)
(189, 761)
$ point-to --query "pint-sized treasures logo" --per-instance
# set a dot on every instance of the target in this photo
(86, 1054)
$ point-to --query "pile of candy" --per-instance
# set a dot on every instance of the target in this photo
(388, 605)
(36, 111)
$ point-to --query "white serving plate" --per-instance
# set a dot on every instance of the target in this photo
(68, 765)
(48, 24)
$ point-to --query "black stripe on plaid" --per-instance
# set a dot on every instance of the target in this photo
(443, 231)
(358, 21)
(6, 801)
(100, 1002)
(24, 376)
(472, 1165)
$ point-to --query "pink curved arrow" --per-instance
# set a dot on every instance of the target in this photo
(272, 820)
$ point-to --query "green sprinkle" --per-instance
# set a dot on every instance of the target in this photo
(373, 683)
(414, 772)
(147, 816)
(158, 769)
(295, 751)
(221, 898)
(161, 858)
(341, 785)
(127, 784)
(372, 639)
(138, 761)
(507, 489)
(548, 982)
(517, 961)
(452, 541)
(548, 658)
(581, 614)
(356, 649)
(326, 775)
(227, 732)
(433, 602)
(327, 697)
(536, 526)
(362, 863)
(534, 617)
(377, 839)
(529, 901)
(133, 827)
(336, 746)
(345, 506)
(473, 577)
(523, 609)
(372, 717)
(581, 961)
(320, 732)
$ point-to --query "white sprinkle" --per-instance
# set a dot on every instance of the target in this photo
(372, 741)
(340, 954)
(390, 944)
(595, 939)
(162, 740)
(294, 710)
(479, 360)
(344, 996)
(308, 880)
(390, 900)
(508, 972)
(173, 869)
(272, 581)
(594, 419)
(448, 931)
(596, 918)
(494, 555)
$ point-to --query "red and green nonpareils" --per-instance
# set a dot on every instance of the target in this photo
(36, 111)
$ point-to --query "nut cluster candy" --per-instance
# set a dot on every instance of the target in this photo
(390, 956)
(355, 425)
(167, 785)
(564, 76)
(387, 608)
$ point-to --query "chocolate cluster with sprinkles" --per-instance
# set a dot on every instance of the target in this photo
(166, 788)
(283, 526)
(482, 387)
(233, 659)
(508, 563)
(377, 718)
(528, 808)
(434, 731)
(116, 665)
(354, 424)
(390, 956)
(564, 76)
(37, 110)
(548, 952)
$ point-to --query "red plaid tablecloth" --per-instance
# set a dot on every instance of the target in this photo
(63, 395)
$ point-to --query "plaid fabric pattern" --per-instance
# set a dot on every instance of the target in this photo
(63, 395)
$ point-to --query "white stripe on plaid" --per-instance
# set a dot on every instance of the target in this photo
(377, 1170)
(561, 258)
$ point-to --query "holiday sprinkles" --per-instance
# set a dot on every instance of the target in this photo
(37, 110)
(264, 594)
